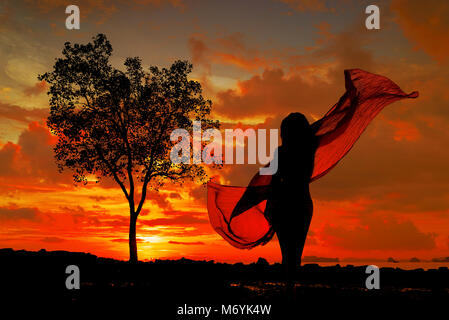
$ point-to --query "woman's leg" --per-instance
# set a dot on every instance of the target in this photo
(284, 244)
(291, 226)
(289, 257)
(294, 241)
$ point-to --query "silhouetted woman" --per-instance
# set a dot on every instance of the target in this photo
(308, 152)
(289, 205)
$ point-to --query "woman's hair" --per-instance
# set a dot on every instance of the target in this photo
(295, 127)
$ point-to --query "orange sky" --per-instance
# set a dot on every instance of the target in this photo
(388, 197)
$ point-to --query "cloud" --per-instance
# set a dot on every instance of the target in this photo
(228, 50)
(17, 113)
(404, 130)
(309, 82)
(102, 10)
(99, 10)
(98, 198)
(159, 198)
(199, 194)
(38, 88)
(199, 52)
(426, 24)
(9, 156)
(178, 220)
(273, 93)
(187, 243)
(307, 5)
(174, 195)
(379, 233)
(52, 240)
(13, 214)
(334, 52)
(31, 160)
(386, 162)
(36, 145)
(24, 70)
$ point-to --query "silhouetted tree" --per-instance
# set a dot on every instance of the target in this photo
(117, 123)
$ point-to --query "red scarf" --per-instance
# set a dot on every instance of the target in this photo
(237, 213)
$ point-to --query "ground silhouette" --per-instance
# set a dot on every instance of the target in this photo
(159, 287)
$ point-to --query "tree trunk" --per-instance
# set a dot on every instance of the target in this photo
(132, 238)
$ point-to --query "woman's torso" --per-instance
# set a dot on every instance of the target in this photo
(290, 200)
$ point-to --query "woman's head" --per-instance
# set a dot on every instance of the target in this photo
(295, 129)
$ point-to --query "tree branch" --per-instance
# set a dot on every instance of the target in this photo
(144, 191)
(114, 172)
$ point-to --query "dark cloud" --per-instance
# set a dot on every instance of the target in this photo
(174, 195)
(9, 155)
(307, 5)
(405, 176)
(98, 10)
(187, 243)
(100, 198)
(230, 50)
(36, 145)
(37, 89)
(17, 113)
(14, 214)
(426, 24)
(313, 83)
(275, 92)
(200, 52)
(52, 240)
(100, 217)
(199, 193)
(31, 160)
(160, 198)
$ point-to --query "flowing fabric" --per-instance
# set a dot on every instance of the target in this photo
(237, 213)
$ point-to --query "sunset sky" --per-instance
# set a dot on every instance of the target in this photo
(257, 61)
